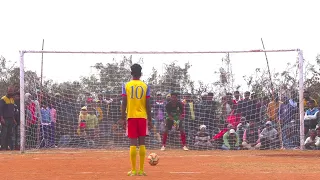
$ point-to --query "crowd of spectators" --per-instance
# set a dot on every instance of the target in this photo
(236, 122)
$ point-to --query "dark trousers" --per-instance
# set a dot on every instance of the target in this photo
(45, 135)
(6, 133)
(32, 136)
(16, 134)
(53, 133)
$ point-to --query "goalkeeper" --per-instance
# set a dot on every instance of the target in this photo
(174, 117)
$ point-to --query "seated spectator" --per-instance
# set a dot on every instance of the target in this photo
(311, 116)
(268, 136)
(313, 141)
(218, 138)
(202, 138)
(230, 140)
(240, 131)
(251, 138)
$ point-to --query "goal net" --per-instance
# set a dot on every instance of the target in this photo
(225, 100)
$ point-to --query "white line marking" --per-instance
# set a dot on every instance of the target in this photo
(185, 172)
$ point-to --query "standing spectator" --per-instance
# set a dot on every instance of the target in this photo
(313, 141)
(7, 117)
(237, 96)
(208, 112)
(255, 107)
(16, 128)
(273, 109)
(91, 125)
(228, 105)
(245, 106)
(114, 108)
(286, 115)
(190, 115)
(230, 140)
(307, 98)
(45, 125)
(103, 103)
(311, 116)
(263, 110)
(82, 122)
(53, 114)
(33, 116)
(268, 136)
(286, 111)
(158, 107)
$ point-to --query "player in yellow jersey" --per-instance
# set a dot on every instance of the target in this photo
(136, 105)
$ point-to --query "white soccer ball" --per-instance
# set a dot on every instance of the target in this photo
(153, 159)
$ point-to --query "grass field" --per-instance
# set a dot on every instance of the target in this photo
(174, 164)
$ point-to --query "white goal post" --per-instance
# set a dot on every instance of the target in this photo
(22, 79)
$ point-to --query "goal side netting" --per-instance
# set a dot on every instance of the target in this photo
(201, 100)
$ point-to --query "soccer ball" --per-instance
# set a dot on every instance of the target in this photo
(153, 159)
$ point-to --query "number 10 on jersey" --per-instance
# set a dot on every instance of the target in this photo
(137, 92)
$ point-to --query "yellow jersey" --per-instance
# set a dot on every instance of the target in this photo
(137, 93)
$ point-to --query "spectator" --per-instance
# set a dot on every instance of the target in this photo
(311, 116)
(263, 110)
(228, 106)
(82, 122)
(103, 124)
(202, 138)
(307, 98)
(33, 116)
(268, 136)
(255, 107)
(53, 115)
(91, 125)
(251, 138)
(114, 108)
(237, 96)
(273, 109)
(158, 108)
(7, 116)
(190, 115)
(286, 111)
(245, 106)
(313, 141)
(291, 135)
(208, 109)
(45, 126)
(241, 127)
(230, 140)
(218, 138)
(16, 128)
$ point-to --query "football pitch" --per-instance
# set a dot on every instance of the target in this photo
(69, 164)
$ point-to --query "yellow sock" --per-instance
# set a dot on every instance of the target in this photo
(142, 154)
(133, 157)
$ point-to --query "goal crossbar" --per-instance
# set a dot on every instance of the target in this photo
(158, 52)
